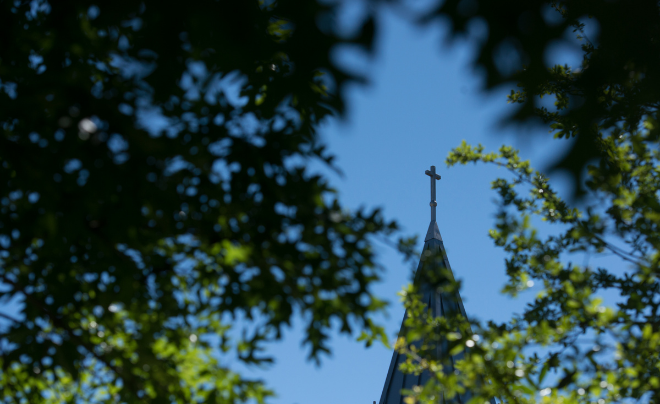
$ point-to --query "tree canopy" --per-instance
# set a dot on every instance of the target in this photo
(616, 84)
(154, 190)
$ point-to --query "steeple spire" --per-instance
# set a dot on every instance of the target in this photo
(439, 303)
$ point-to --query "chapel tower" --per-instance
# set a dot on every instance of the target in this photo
(438, 302)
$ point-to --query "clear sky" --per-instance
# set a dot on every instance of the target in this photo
(423, 101)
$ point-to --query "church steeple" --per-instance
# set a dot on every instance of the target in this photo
(439, 303)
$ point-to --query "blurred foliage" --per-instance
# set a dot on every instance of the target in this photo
(568, 345)
(615, 87)
(156, 207)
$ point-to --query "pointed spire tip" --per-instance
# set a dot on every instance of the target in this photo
(433, 232)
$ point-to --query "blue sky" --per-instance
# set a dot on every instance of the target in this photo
(423, 100)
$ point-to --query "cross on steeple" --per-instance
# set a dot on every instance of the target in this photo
(433, 203)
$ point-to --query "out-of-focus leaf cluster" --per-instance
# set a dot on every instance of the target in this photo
(615, 84)
(156, 207)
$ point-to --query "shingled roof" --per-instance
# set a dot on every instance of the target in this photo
(439, 303)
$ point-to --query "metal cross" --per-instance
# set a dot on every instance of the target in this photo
(433, 203)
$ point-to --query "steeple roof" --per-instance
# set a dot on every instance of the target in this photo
(439, 303)
(433, 257)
